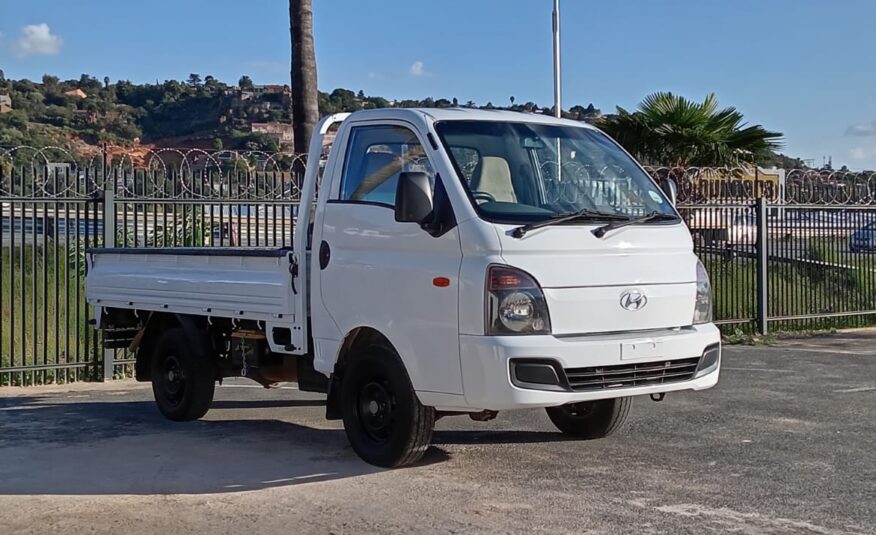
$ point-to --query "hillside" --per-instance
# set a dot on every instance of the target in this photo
(80, 115)
(203, 113)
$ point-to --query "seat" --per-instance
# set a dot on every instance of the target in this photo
(495, 179)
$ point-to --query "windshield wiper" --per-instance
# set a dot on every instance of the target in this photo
(586, 213)
(653, 216)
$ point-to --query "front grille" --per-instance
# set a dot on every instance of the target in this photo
(629, 375)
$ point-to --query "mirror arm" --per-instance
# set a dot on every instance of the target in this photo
(432, 224)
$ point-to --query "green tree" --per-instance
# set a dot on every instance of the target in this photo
(58, 116)
(580, 113)
(376, 102)
(671, 130)
(344, 100)
(211, 85)
(15, 120)
(245, 82)
(89, 83)
(194, 79)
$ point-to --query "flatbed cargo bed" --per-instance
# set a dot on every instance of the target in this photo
(238, 283)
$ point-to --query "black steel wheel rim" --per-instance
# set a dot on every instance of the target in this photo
(173, 381)
(376, 409)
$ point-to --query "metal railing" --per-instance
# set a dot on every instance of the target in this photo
(44, 335)
(786, 249)
(53, 207)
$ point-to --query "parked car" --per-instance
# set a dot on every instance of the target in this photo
(863, 239)
(723, 226)
(743, 230)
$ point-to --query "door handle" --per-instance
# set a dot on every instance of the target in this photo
(325, 254)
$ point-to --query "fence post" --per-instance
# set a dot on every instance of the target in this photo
(762, 260)
(109, 240)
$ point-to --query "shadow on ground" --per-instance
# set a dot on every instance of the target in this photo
(127, 447)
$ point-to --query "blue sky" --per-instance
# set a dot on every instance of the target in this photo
(803, 67)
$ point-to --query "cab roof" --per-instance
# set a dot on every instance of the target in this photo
(464, 114)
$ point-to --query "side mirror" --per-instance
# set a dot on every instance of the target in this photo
(413, 197)
(670, 188)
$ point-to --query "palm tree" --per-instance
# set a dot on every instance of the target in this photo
(305, 97)
(668, 129)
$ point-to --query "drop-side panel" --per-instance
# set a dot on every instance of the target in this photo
(246, 284)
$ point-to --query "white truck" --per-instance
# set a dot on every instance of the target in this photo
(462, 262)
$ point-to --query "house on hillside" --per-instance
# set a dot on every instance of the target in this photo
(280, 132)
(260, 90)
(270, 89)
(5, 103)
(77, 93)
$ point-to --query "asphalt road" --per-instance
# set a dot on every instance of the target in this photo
(785, 444)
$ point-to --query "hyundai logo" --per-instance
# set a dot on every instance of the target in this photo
(633, 300)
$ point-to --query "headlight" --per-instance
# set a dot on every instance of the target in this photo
(703, 307)
(515, 303)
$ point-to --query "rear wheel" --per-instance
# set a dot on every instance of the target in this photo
(590, 419)
(183, 381)
(385, 422)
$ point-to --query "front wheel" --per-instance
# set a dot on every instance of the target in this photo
(590, 419)
(183, 381)
(385, 422)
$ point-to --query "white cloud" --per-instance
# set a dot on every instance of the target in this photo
(37, 40)
(418, 69)
(862, 130)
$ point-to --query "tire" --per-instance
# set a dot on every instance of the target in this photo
(385, 423)
(589, 420)
(183, 380)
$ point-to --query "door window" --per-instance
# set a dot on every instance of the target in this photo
(376, 156)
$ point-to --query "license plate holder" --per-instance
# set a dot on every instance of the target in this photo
(641, 349)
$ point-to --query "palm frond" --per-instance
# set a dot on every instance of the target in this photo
(670, 129)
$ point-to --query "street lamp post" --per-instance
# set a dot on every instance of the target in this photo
(558, 110)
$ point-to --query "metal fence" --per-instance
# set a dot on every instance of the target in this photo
(785, 249)
(54, 207)
(43, 333)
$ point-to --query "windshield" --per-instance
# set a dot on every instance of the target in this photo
(525, 172)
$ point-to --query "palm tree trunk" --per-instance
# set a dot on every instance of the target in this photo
(305, 97)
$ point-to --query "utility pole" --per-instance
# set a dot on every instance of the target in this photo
(558, 110)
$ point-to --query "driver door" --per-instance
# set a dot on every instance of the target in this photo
(384, 274)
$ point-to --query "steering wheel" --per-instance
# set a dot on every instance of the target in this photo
(483, 196)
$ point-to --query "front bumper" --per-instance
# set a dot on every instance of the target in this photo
(486, 364)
